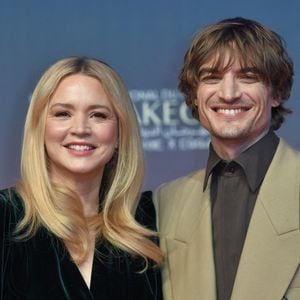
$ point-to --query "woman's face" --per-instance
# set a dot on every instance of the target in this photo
(81, 132)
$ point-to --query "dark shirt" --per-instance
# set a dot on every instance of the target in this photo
(40, 268)
(234, 188)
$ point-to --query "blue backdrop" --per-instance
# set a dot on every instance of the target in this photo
(145, 42)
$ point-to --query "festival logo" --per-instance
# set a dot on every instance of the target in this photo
(166, 122)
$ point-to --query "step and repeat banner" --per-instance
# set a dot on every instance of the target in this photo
(145, 42)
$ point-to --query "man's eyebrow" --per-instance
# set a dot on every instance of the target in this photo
(215, 70)
(250, 70)
(209, 70)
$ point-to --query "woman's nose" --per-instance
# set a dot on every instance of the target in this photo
(80, 125)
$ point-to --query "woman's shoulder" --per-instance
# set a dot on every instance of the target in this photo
(10, 196)
(145, 213)
(11, 205)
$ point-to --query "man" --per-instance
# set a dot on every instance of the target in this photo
(231, 231)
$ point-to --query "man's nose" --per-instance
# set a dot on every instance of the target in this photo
(229, 89)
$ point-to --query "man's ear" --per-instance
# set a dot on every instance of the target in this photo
(276, 102)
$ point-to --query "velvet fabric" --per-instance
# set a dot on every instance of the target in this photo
(40, 268)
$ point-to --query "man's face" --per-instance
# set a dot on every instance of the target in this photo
(233, 104)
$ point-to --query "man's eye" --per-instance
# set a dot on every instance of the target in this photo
(249, 77)
(210, 78)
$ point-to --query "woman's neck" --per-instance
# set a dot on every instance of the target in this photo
(87, 189)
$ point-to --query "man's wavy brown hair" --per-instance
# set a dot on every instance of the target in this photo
(252, 44)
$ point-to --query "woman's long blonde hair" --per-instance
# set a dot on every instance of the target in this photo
(59, 209)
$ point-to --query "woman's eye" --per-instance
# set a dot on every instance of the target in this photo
(99, 115)
(62, 114)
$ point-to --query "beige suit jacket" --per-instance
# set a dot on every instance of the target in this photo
(269, 265)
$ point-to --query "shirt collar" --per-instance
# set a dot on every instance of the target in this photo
(255, 160)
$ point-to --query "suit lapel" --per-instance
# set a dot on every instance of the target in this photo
(190, 253)
(271, 251)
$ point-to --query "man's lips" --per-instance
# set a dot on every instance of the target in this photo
(230, 111)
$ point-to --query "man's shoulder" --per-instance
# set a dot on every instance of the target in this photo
(286, 155)
(183, 183)
(173, 195)
(284, 145)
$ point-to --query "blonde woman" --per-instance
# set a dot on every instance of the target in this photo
(74, 227)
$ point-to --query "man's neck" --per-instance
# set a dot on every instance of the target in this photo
(229, 149)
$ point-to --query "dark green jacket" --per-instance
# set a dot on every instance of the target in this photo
(41, 269)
